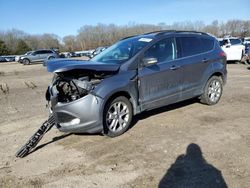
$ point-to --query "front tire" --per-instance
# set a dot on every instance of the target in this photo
(51, 57)
(213, 91)
(117, 116)
(26, 61)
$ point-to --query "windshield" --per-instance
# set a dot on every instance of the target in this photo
(122, 51)
(28, 53)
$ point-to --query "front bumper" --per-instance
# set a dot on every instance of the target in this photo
(79, 116)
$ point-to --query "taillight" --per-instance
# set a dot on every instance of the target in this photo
(222, 54)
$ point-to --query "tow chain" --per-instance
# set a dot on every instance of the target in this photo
(33, 141)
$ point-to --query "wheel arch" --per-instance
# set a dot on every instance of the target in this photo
(51, 57)
(218, 74)
(113, 97)
(124, 94)
(26, 58)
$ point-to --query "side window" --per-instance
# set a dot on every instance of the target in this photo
(235, 41)
(163, 50)
(45, 52)
(207, 44)
(38, 52)
(189, 45)
(48, 52)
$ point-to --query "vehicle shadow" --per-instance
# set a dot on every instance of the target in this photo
(138, 117)
(57, 138)
(47, 143)
(170, 107)
(192, 170)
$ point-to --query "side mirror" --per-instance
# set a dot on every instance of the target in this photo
(228, 45)
(149, 61)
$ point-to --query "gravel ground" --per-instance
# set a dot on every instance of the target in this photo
(183, 144)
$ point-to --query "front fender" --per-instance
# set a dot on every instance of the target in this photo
(121, 82)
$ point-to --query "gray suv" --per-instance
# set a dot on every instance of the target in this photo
(38, 56)
(135, 74)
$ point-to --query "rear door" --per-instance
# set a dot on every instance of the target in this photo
(195, 58)
(36, 56)
(45, 54)
(159, 84)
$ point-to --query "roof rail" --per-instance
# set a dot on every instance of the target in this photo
(198, 32)
(160, 32)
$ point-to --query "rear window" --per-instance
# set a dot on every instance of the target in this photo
(194, 45)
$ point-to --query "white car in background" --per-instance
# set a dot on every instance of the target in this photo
(247, 40)
(233, 47)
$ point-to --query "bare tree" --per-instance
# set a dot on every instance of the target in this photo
(70, 43)
(92, 36)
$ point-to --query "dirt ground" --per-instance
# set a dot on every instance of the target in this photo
(183, 144)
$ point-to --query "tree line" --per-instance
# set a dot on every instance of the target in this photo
(89, 37)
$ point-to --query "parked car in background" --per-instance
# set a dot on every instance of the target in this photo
(17, 58)
(2, 59)
(72, 54)
(7, 58)
(150, 71)
(247, 40)
(98, 50)
(246, 58)
(233, 47)
(38, 56)
(10, 58)
(82, 53)
(89, 53)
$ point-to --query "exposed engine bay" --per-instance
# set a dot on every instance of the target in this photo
(70, 86)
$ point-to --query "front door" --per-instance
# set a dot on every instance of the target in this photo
(160, 84)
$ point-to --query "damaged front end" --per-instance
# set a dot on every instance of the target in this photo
(73, 101)
(68, 88)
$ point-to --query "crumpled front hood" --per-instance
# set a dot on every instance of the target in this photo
(63, 65)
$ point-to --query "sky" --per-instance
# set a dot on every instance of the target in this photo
(66, 17)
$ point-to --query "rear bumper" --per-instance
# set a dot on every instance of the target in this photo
(79, 116)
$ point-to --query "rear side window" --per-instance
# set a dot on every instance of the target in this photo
(38, 52)
(47, 51)
(194, 45)
(235, 41)
(189, 45)
(207, 44)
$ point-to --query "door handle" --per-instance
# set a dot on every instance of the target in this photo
(174, 67)
(205, 60)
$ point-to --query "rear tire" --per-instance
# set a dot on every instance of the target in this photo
(212, 91)
(117, 116)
